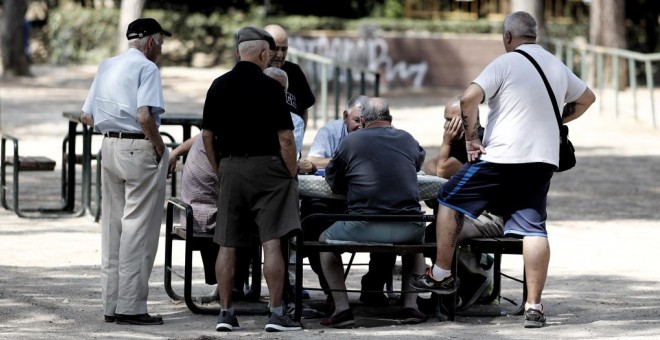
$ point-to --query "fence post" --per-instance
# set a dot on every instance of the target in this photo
(633, 83)
(336, 89)
(649, 80)
(349, 82)
(615, 60)
(324, 92)
(600, 79)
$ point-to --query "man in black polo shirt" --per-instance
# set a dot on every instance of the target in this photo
(248, 137)
(301, 97)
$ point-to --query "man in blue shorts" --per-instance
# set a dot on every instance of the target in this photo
(509, 172)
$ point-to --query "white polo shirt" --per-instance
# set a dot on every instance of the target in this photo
(123, 84)
(521, 126)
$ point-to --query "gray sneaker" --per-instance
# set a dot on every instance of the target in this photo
(534, 318)
(426, 283)
(226, 322)
(281, 323)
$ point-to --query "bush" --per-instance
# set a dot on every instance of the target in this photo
(81, 35)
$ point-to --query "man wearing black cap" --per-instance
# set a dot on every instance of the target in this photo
(247, 133)
(124, 104)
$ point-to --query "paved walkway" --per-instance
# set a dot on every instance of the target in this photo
(604, 279)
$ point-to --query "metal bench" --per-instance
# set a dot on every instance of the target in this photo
(496, 246)
(20, 164)
(195, 241)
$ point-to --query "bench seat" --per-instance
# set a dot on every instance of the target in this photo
(496, 246)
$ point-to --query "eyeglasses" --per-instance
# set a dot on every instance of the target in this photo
(282, 48)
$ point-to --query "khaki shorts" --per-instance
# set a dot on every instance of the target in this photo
(255, 193)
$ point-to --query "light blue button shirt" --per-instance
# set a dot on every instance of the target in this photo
(327, 139)
(123, 84)
(298, 131)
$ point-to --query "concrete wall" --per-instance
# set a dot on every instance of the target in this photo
(406, 61)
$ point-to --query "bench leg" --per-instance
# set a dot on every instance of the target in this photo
(167, 280)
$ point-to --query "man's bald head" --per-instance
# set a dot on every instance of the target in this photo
(282, 44)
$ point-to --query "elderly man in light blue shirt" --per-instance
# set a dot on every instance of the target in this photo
(124, 104)
(329, 136)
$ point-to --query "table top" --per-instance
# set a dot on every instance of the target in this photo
(181, 118)
(73, 116)
(317, 187)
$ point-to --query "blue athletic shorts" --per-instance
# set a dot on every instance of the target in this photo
(517, 192)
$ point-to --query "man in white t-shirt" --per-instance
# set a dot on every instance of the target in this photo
(509, 173)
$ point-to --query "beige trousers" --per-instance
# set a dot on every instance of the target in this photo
(133, 188)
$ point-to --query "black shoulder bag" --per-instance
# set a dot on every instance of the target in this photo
(566, 149)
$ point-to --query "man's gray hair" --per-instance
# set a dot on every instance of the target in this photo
(520, 25)
(377, 109)
(252, 47)
(360, 101)
(141, 43)
(279, 75)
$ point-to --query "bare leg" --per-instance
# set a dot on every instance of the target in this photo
(412, 264)
(536, 255)
(225, 269)
(333, 269)
(274, 271)
(448, 227)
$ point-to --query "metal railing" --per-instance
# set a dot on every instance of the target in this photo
(333, 80)
(584, 55)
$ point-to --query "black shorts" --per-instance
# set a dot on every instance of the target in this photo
(255, 191)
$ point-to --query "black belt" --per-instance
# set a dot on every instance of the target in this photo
(125, 135)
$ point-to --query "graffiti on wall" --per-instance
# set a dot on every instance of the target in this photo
(369, 53)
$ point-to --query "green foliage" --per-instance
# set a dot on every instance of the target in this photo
(393, 9)
(80, 35)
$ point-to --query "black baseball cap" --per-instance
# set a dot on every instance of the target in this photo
(143, 27)
(250, 33)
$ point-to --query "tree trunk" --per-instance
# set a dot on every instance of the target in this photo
(607, 28)
(130, 10)
(533, 7)
(13, 49)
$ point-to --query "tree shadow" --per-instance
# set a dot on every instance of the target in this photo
(606, 188)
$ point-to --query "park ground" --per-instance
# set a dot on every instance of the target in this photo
(604, 227)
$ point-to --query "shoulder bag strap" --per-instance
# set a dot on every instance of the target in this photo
(547, 85)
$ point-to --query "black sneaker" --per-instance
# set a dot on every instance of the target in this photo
(281, 323)
(534, 318)
(226, 322)
(426, 283)
(109, 318)
(139, 319)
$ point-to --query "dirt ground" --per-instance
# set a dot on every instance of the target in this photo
(604, 281)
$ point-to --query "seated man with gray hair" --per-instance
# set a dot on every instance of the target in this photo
(376, 167)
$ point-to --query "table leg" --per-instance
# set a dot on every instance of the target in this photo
(86, 201)
(71, 176)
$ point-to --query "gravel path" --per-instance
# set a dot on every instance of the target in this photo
(604, 281)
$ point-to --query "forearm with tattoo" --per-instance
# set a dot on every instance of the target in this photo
(470, 133)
